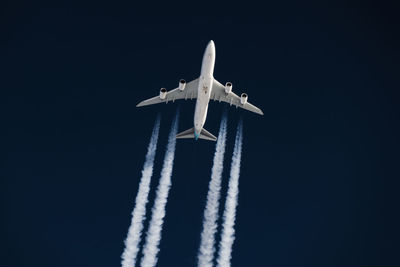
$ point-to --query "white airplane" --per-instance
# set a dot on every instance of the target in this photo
(203, 88)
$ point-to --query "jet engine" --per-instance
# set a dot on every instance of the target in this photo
(243, 98)
(163, 93)
(228, 87)
(182, 84)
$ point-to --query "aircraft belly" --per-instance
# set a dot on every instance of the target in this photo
(205, 85)
(203, 97)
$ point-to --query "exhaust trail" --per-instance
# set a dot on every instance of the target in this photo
(207, 249)
(139, 211)
(228, 230)
(153, 236)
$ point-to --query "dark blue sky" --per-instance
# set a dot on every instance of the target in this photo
(319, 180)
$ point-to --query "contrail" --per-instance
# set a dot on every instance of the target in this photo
(207, 249)
(153, 236)
(228, 231)
(139, 212)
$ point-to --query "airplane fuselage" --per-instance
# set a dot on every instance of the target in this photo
(205, 86)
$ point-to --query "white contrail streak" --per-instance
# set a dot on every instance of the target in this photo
(207, 249)
(153, 236)
(139, 212)
(228, 230)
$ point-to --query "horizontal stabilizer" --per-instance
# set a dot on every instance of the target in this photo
(190, 134)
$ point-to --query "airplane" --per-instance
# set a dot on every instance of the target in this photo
(203, 88)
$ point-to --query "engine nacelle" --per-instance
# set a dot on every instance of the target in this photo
(163, 93)
(228, 87)
(182, 84)
(243, 98)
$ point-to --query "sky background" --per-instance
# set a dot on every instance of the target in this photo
(319, 176)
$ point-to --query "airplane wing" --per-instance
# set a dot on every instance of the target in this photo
(189, 92)
(218, 94)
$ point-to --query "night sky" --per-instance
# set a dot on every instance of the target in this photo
(319, 181)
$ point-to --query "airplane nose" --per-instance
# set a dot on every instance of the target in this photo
(211, 44)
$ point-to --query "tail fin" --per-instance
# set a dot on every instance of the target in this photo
(190, 134)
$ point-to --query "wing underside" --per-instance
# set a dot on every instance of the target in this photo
(218, 94)
(189, 92)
